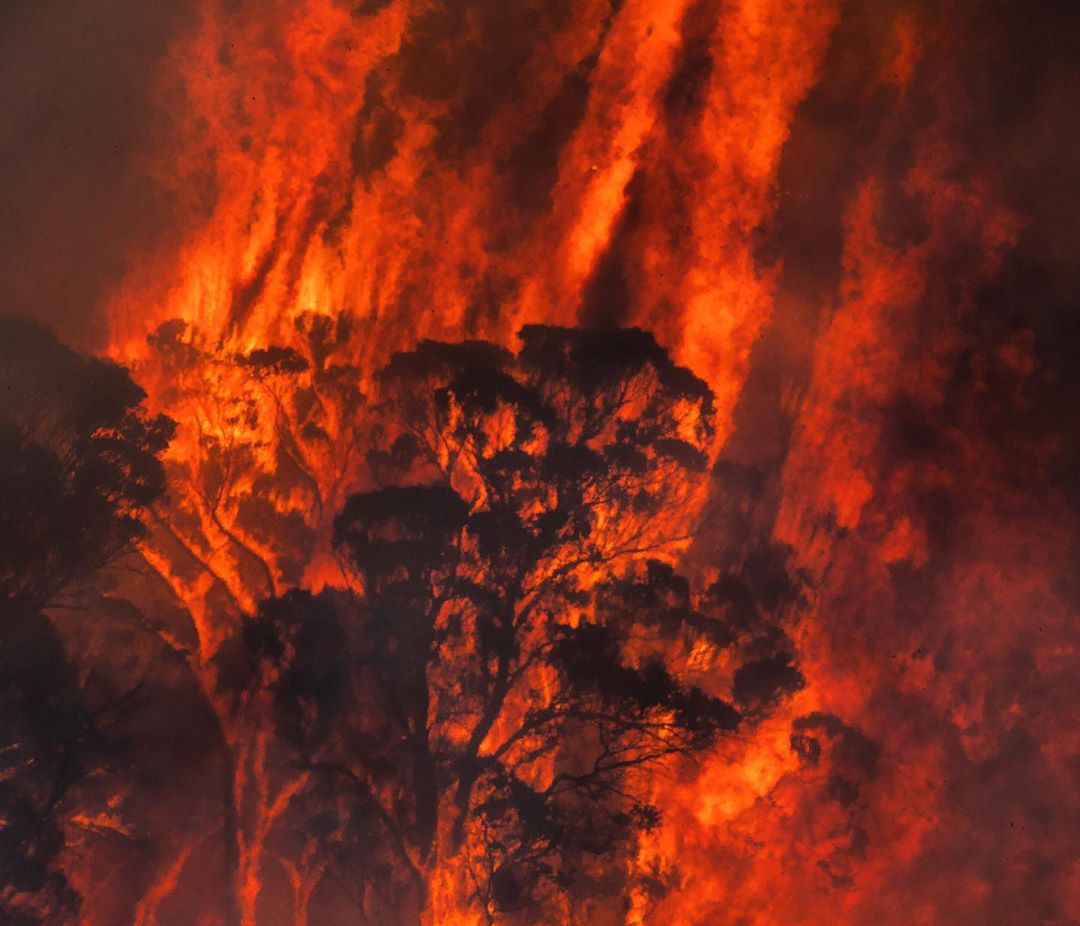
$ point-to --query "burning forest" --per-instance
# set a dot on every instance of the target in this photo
(484, 463)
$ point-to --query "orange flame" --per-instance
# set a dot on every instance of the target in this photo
(349, 181)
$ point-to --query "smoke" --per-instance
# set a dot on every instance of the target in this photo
(857, 221)
(927, 463)
(75, 112)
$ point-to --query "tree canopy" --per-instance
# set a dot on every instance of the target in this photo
(512, 647)
(79, 463)
(79, 469)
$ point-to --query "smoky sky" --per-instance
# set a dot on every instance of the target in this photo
(75, 111)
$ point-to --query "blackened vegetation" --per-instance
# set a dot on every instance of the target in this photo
(78, 464)
(79, 468)
(506, 662)
(501, 672)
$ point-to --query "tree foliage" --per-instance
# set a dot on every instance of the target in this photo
(505, 662)
(79, 463)
(79, 468)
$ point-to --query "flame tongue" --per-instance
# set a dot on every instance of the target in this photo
(338, 161)
(368, 187)
(353, 178)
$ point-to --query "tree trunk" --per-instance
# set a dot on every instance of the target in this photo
(230, 835)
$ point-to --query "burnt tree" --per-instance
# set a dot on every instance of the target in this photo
(79, 467)
(486, 695)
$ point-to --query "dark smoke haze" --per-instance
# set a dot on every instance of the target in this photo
(75, 110)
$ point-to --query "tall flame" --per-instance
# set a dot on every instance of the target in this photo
(351, 178)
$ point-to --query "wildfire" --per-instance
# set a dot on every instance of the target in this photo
(790, 197)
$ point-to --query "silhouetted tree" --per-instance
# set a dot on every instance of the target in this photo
(504, 666)
(79, 466)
